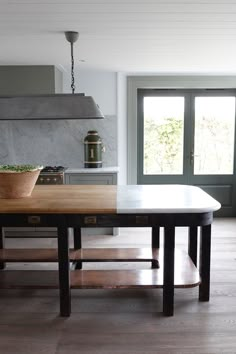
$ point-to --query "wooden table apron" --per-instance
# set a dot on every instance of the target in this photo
(154, 220)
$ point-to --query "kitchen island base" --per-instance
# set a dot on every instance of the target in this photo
(67, 207)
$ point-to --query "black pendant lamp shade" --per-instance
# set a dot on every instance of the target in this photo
(52, 106)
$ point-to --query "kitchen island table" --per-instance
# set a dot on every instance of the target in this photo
(74, 206)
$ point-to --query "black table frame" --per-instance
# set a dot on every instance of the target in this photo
(168, 221)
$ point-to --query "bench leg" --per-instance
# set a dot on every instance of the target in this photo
(2, 239)
(77, 245)
(192, 243)
(64, 271)
(168, 272)
(205, 260)
(155, 244)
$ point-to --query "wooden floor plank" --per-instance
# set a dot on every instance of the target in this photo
(126, 321)
(35, 279)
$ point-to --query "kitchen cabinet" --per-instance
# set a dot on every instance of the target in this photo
(89, 176)
(26, 80)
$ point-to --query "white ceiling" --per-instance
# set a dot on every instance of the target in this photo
(167, 36)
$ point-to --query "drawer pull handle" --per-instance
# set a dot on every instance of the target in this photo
(90, 220)
(34, 219)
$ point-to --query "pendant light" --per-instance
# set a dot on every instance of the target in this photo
(52, 106)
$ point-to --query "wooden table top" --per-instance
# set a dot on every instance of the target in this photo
(64, 199)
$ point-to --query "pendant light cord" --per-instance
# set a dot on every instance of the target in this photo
(72, 70)
(72, 38)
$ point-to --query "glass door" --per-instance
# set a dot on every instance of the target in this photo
(163, 135)
(214, 127)
(212, 155)
(162, 132)
(188, 137)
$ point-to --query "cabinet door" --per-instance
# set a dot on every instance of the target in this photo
(91, 178)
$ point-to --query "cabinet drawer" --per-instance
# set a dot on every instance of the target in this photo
(92, 178)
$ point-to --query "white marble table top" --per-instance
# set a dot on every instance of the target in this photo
(164, 199)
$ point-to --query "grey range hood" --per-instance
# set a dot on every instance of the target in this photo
(47, 107)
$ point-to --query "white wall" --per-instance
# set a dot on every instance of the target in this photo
(122, 126)
(102, 85)
(109, 91)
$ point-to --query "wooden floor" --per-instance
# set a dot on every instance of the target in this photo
(122, 321)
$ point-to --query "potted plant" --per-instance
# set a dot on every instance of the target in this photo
(18, 181)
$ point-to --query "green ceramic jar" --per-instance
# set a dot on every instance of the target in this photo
(92, 150)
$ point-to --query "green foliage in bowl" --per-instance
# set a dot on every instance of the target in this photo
(19, 168)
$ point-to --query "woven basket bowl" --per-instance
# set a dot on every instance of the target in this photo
(17, 184)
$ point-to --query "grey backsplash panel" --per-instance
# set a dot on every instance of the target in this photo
(55, 142)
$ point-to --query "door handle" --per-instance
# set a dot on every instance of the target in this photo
(192, 156)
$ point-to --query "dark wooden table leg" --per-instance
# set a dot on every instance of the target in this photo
(2, 239)
(192, 243)
(155, 244)
(64, 272)
(205, 261)
(77, 246)
(168, 272)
